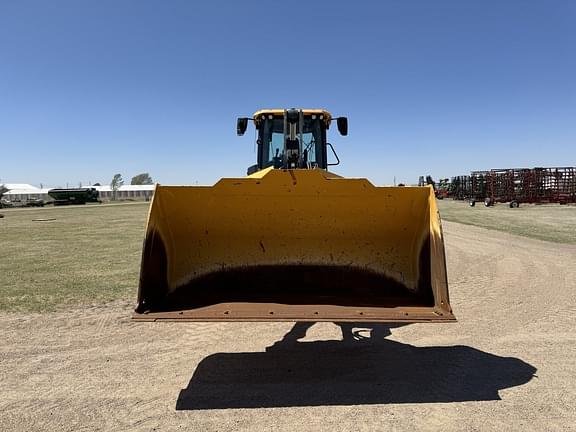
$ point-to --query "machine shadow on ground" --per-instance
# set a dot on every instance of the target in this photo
(354, 371)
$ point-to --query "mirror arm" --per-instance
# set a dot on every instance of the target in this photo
(334, 152)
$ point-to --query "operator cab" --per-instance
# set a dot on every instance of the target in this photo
(292, 138)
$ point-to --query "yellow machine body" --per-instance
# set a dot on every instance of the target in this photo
(299, 244)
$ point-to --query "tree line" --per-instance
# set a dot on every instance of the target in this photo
(139, 179)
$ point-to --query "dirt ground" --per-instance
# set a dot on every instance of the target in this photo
(508, 364)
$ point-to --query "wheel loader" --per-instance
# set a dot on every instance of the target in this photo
(293, 241)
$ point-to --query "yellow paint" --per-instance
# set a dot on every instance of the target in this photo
(298, 216)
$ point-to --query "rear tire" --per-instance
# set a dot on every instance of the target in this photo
(514, 204)
(471, 203)
(488, 202)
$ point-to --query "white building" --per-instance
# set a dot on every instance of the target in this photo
(23, 192)
(126, 192)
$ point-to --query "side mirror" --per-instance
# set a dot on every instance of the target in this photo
(241, 125)
(342, 123)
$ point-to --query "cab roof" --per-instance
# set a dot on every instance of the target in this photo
(277, 112)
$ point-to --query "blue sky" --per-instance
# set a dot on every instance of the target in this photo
(92, 88)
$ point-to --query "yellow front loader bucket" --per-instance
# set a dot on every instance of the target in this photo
(303, 245)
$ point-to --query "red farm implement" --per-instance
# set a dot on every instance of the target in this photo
(517, 185)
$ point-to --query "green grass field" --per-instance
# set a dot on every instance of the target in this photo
(88, 255)
(551, 222)
(91, 254)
